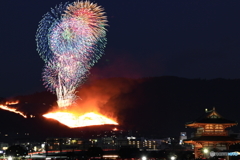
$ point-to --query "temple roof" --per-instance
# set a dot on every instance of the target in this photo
(213, 138)
(212, 117)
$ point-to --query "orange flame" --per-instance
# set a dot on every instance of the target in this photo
(14, 110)
(11, 103)
(115, 129)
(73, 120)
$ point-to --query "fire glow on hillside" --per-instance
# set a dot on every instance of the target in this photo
(5, 107)
(68, 118)
(91, 110)
(75, 120)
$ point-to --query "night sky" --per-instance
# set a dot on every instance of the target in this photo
(184, 38)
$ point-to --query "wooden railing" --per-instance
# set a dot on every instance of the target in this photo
(211, 134)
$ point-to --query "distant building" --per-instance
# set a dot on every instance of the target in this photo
(211, 134)
(3, 146)
(106, 143)
(67, 144)
(183, 136)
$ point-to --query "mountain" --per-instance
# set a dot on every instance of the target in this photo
(155, 106)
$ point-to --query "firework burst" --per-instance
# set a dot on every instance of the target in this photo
(70, 39)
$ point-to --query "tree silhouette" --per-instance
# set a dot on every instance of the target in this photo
(16, 151)
(95, 152)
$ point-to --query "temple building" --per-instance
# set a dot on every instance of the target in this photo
(211, 134)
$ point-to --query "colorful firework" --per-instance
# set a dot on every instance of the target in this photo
(70, 39)
(50, 19)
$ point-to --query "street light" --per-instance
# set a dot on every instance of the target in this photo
(172, 157)
(205, 150)
(144, 158)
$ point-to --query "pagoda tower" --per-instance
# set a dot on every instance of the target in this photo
(211, 133)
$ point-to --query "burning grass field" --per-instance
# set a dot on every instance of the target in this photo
(75, 120)
(70, 118)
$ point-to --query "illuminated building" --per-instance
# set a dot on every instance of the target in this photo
(66, 144)
(211, 134)
(183, 135)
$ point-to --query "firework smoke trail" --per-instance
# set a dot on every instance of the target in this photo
(70, 39)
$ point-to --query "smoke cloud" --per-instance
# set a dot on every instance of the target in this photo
(102, 96)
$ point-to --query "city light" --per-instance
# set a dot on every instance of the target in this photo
(144, 158)
(172, 157)
(205, 150)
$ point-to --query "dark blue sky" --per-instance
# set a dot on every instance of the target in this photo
(184, 38)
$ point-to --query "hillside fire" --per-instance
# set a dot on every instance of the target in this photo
(73, 120)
